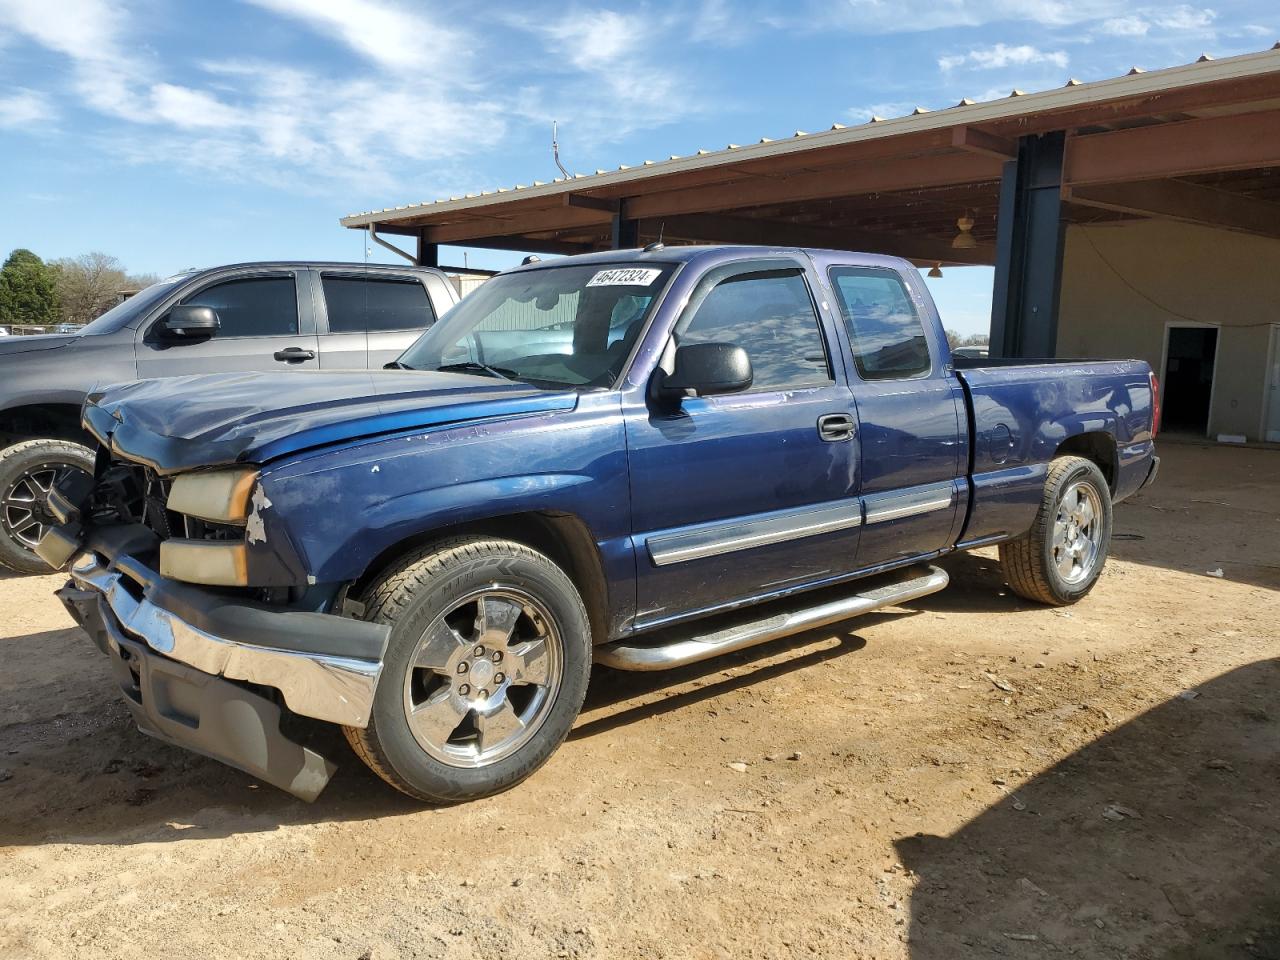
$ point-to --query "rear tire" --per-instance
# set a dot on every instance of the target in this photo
(27, 471)
(484, 674)
(1061, 557)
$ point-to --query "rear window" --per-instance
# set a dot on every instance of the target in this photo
(360, 304)
(884, 328)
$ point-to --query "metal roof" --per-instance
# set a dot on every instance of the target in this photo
(1017, 105)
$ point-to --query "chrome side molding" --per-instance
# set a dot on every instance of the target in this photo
(739, 534)
(743, 533)
(689, 644)
(910, 503)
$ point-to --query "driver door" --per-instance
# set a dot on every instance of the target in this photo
(744, 495)
(262, 326)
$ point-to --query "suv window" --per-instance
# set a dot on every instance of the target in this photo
(252, 307)
(357, 304)
(771, 316)
(885, 330)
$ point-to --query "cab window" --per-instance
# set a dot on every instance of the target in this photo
(251, 306)
(888, 338)
(770, 315)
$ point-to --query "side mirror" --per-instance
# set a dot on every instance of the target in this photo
(706, 369)
(191, 322)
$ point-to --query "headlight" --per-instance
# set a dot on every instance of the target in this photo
(211, 562)
(221, 496)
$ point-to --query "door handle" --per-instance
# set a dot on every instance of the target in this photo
(835, 427)
(294, 355)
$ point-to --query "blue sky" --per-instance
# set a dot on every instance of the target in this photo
(176, 134)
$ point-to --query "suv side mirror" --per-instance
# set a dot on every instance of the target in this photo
(191, 322)
(706, 369)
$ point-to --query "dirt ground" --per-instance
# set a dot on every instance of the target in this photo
(967, 776)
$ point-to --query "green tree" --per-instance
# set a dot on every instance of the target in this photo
(27, 291)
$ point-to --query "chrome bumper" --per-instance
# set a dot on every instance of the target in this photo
(323, 686)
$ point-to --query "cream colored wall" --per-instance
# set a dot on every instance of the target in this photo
(1190, 272)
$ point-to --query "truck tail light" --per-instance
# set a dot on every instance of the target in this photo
(1155, 405)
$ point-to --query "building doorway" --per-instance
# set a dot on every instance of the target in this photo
(1271, 412)
(1190, 355)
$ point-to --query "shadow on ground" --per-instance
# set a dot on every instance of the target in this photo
(1160, 839)
(79, 771)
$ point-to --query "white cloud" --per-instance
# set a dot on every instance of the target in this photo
(393, 37)
(606, 81)
(887, 16)
(25, 108)
(1131, 26)
(1185, 18)
(885, 111)
(1001, 55)
(245, 120)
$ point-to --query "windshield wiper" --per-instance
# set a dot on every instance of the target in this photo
(502, 373)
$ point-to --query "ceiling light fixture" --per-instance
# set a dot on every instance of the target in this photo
(964, 239)
(936, 272)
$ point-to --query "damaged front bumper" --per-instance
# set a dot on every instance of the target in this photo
(185, 656)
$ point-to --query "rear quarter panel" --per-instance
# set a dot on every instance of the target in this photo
(1023, 414)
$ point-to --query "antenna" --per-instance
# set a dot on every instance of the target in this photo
(555, 150)
(657, 244)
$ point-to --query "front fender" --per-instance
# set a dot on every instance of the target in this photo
(338, 511)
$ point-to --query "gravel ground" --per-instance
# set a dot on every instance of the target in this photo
(970, 775)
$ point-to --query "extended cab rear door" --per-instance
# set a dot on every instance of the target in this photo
(367, 318)
(910, 409)
(264, 324)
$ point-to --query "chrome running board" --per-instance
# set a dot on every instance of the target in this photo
(703, 639)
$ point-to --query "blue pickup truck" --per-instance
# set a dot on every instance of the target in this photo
(639, 459)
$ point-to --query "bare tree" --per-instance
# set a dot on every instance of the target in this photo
(89, 285)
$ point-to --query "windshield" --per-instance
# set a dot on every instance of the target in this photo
(570, 326)
(124, 312)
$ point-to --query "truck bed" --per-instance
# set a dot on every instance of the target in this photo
(1023, 413)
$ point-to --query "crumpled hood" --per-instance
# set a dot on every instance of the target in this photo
(184, 422)
(16, 343)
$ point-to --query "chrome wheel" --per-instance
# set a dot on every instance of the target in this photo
(483, 677)
(1077, 532)
(24, 511)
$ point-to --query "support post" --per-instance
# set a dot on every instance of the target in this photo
(428, 254)
(1029, 245)
(625, 233)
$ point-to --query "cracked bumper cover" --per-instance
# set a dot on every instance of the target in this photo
(324, 666)
(178, 651)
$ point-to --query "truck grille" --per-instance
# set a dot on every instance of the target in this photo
(133, 493)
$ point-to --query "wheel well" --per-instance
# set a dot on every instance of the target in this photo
(1096, 446)
(562, 537)
(55, 421)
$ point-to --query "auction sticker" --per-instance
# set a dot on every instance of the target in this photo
(624, 277)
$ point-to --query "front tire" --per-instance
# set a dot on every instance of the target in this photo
(484, 674)
(1061, 557)
(28, 471)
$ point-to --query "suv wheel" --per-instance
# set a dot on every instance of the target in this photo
(28, 471)
(485, 672)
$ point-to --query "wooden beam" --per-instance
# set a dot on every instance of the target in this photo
(1179, 200)
(713, 228)
(529, 245)
(607, 204)
(878, 177)
(536, 221)
(979, 141)
(1181, 149)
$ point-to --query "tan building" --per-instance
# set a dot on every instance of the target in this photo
(1137, 216)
